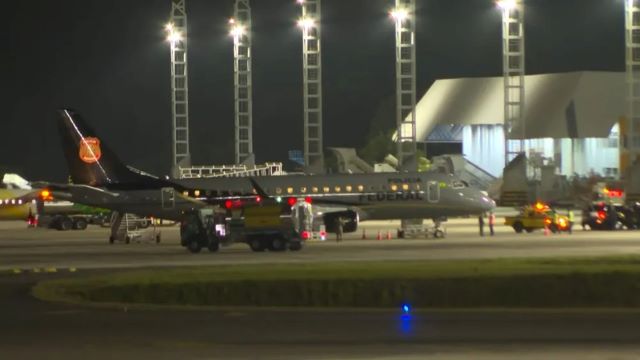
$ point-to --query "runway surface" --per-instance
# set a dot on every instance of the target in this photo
(33, 329)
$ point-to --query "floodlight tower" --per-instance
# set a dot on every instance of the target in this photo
(404, 16)
(241, 33)
(177, 36)
(312, 85)
(629, 134)
(513, 56)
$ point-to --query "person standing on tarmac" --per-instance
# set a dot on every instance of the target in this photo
(571, 219)
(492, 221)
(481, 224)
(339, 229)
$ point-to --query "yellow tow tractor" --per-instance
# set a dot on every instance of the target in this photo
(537, 216)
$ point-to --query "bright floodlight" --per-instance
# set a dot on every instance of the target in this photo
(507, 4)
(169, 27)
(306, 23)
(237, 31)
(174, 36)
(300, 1)
(399, 14)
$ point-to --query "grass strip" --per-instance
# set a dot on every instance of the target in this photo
(558, 282)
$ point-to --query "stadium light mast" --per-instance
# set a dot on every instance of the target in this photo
(312, 84)
(404, 17)
(243, 83)
(629, 134)
(177, 37)
(513, 69)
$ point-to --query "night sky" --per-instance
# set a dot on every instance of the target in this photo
(109, 61)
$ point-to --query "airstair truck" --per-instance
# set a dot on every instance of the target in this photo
(270, 225)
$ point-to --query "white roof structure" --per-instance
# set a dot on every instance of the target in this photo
(582, 104)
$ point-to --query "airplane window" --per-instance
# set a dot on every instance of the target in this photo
(303, 189)
(278, 190)
(338, 189)
(196, 193)
(405, 187)
(394, 187)
(314, 189)
(185, 193)
(348, 188)
(360, 188)
(326, 189)
(289, 190)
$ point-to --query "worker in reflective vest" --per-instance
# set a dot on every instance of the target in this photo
(492, 221)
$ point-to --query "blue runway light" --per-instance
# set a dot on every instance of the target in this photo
(406, 308)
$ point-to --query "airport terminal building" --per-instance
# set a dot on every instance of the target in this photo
(571, 119)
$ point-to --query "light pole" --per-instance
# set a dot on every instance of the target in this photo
(629, 129)
(309, 23)
(513, 56)
(243, 82)
(177, 37)
(404, 17)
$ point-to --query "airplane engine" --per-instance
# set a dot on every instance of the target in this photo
(349, 217)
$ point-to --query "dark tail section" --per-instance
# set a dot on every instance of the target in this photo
(90, 160)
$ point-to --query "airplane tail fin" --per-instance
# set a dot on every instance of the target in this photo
(90, 160)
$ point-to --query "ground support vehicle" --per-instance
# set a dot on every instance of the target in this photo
(601, 216)
(437, 230)
(64, 222)
(538, 216)
(64, 215)
(129, 228)
(274, 227)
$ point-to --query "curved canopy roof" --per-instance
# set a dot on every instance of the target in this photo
(565, 105)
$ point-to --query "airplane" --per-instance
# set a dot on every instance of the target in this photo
(101, 179)
(17, 198)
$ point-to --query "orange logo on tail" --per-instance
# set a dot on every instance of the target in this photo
(90, 150)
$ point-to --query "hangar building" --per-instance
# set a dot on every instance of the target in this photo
(570, 118)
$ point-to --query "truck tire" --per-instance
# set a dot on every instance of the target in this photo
(438, 234)
(64, 224)
(79, 224)
(517, 226)
(257, 245)
(277, 244)
(295, 246)
(214, 246)
(194, 246)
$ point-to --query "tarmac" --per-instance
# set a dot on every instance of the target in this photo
(30, 328)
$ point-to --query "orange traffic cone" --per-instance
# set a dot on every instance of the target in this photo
(388, 235)
(379, 237)
(364, 234)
